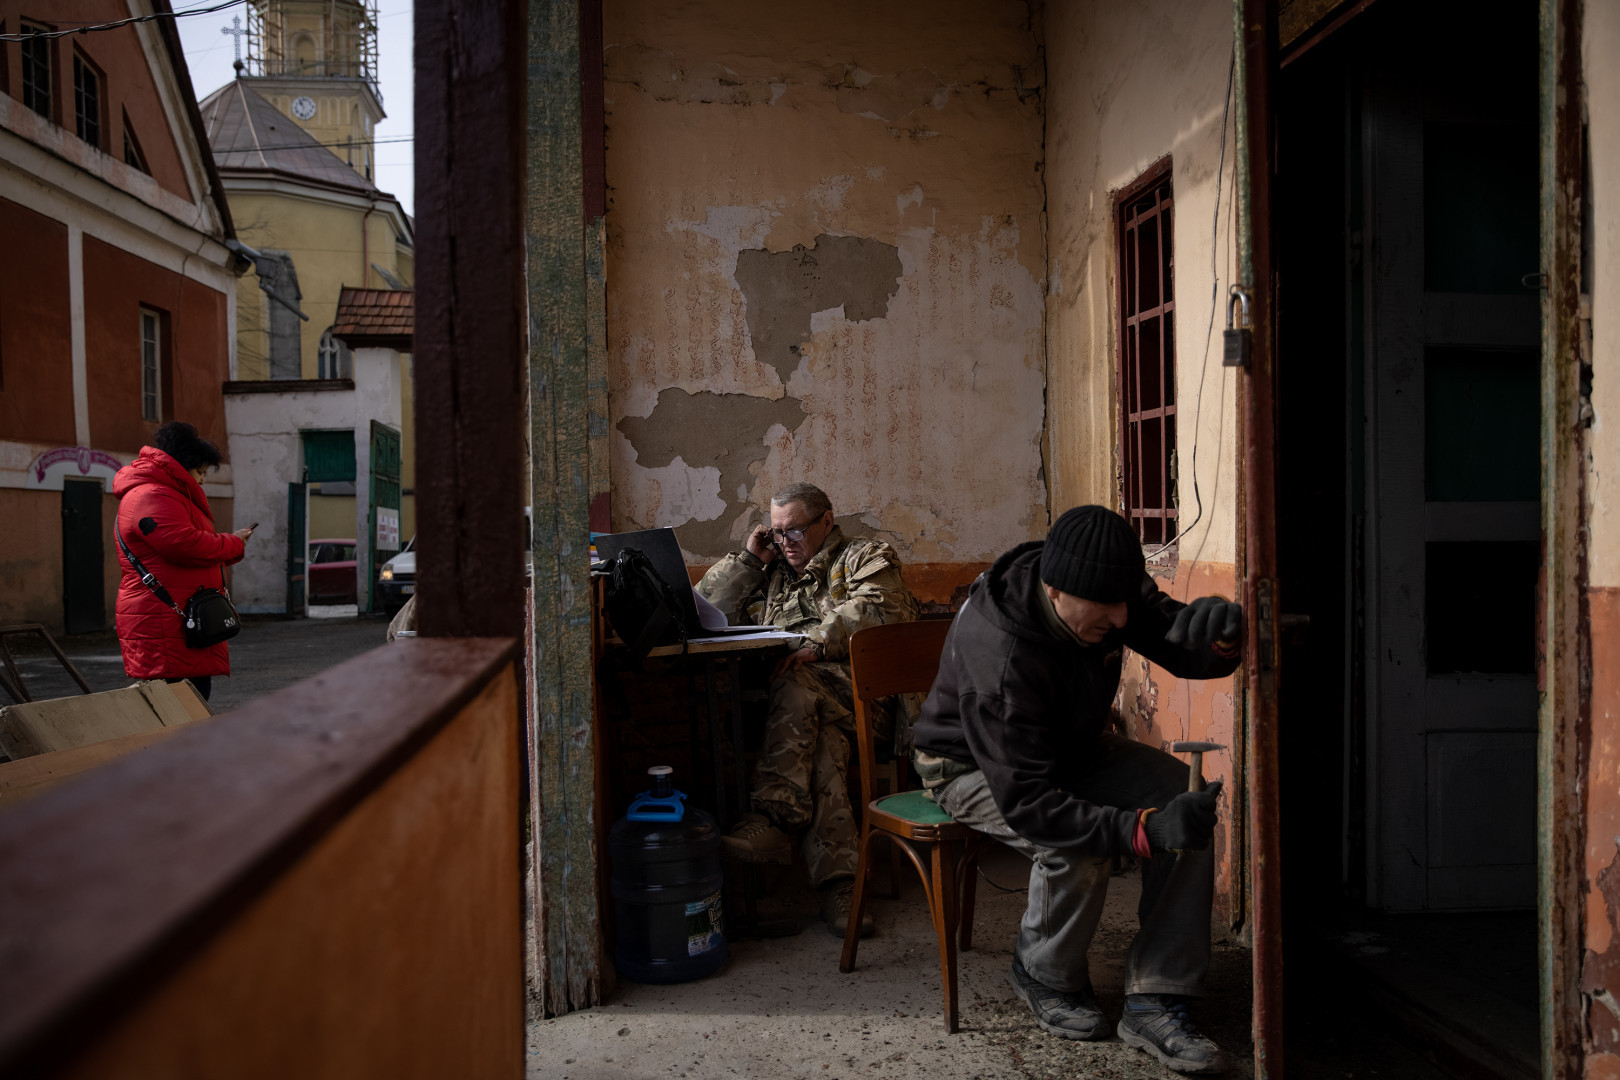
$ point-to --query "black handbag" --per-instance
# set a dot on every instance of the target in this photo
(209, 617)
(640, 605)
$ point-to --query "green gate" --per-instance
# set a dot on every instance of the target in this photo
(382, 517)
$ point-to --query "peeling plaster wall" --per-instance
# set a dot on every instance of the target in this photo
(1600, 977)
(1126, 85)
(826, 262)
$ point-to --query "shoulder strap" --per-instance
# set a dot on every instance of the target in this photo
(147, 577)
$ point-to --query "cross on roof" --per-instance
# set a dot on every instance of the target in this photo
(236, 35)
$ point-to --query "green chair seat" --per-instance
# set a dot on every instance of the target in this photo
(915, 807)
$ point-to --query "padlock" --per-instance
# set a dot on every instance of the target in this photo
(1239, 340)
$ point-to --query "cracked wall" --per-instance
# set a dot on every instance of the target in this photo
(1128, 84)
(1600, 973)
(826, 262)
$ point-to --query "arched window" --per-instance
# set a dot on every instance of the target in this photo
(304, 52)
(336, 361)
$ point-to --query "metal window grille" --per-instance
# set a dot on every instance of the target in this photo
(151, 368)
(86, 101)
(36, 73)
(1147, 357)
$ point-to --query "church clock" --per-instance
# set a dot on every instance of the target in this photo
(303, 107)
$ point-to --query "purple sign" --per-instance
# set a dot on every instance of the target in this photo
(81, 456)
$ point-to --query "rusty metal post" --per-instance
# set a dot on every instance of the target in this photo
(469, 317)
(1256, 27)
(1565, 662)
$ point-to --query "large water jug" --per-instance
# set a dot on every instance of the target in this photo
(666, 887)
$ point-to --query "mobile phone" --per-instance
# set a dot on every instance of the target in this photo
(253, 526)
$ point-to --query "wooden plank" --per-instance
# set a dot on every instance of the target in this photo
(24, 779)
(107, 887)
(42, 727)
(566, 971)
(391, 948)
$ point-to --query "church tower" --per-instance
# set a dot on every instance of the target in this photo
(316, 61)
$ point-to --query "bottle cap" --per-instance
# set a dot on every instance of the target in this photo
(659, 770)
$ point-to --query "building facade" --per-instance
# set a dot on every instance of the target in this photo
(117, 293)
(292, 136)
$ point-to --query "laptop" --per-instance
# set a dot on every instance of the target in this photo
(664, 552)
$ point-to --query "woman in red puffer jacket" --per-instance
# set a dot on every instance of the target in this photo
(163, 518)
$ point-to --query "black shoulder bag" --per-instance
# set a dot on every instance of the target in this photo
(209, 616)
(640, 604)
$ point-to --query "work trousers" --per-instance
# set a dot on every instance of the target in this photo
(802, 775)
(1067, 888)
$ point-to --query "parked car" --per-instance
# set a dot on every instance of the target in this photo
(396, 581)
(331, 571)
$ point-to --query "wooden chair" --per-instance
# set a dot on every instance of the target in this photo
(903, 658)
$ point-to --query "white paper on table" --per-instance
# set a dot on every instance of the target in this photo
(764, 633)
(709, 616)
(712, 618)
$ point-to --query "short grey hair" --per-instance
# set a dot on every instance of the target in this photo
(814, 499)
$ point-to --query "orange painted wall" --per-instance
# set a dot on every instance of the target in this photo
(116, 285)
(36, 353)
(1600, 974)
(126, 81)
(1158, 709)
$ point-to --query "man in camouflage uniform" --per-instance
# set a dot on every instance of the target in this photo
(803, 574)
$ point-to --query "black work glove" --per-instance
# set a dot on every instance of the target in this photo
(1186, 823)
(1208, 620)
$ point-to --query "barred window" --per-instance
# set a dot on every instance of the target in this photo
(1147, 356)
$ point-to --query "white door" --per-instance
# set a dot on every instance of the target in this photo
(1449, 173)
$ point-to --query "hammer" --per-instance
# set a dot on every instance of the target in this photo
(1195, 781)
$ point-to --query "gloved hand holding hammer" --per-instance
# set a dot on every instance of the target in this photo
(1185, 823)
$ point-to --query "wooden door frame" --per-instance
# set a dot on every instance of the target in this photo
(1255, 28)
(1565, 717)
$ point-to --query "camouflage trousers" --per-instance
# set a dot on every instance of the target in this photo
(801, 777)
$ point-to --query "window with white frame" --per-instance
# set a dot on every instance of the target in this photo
(151, 366)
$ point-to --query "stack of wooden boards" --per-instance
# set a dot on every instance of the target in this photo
(50, 741)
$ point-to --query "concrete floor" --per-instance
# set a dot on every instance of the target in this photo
(781, 1008)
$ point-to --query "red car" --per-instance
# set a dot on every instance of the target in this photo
(331, 571)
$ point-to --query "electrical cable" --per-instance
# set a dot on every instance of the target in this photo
(1214, 298)
(91, 28)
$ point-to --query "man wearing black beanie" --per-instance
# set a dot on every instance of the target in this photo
(1014, 741)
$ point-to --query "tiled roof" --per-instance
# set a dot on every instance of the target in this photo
(250, 135)
(384, 318)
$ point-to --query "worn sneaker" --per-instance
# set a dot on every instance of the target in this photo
(1071, 1014)
(1161, 1025)
(755, 839)
(837, 898)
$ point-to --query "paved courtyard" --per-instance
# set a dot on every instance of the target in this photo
(268, 654)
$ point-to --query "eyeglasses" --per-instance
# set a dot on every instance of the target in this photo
(794, 535)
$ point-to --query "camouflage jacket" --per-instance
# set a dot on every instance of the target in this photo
(851, 583)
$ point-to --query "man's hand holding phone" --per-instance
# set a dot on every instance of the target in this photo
(247, 533)
(761, 546)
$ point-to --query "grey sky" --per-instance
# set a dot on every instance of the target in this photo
(209, 55)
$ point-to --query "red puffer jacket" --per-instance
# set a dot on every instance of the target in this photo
(163, 516)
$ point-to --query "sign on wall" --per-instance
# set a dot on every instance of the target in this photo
(387, 529)
(47, 471)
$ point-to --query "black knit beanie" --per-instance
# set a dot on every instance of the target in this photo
(1092, 553)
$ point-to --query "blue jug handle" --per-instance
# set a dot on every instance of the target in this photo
(646, 808)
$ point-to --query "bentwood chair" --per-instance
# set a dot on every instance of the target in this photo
(903, 658)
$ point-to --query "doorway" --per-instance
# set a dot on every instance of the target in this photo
(1407, 223)
(84, 584)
